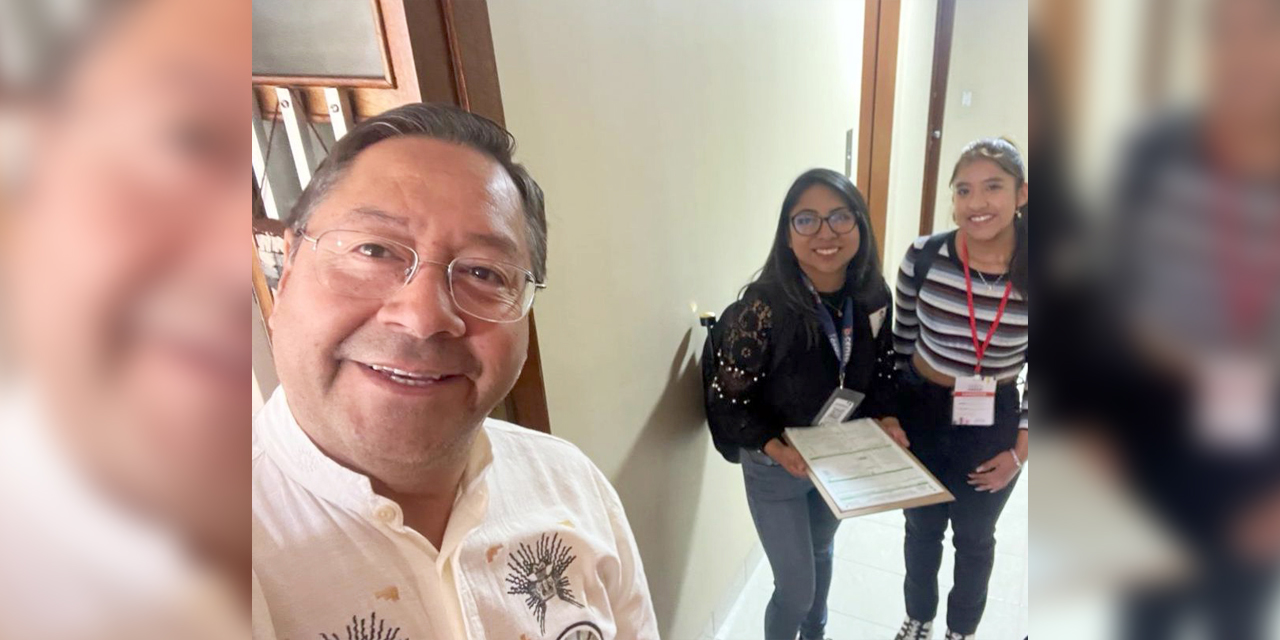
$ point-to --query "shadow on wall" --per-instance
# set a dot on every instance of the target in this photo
(667, 462)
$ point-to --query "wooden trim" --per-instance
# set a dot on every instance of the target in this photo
(388, 72)
(313, 102)
(867, 108)
(365, 102)
(455, 54)
(323, 81)
(432, 63)
(527, 401)
(875, 132)
(477, 61)
(400, 52)
(944, 30)
(1061, 27)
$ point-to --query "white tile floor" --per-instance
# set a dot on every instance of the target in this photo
(866, 590)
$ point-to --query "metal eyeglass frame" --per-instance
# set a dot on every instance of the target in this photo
(418, 262)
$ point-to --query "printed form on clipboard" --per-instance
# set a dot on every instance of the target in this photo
(860, 470)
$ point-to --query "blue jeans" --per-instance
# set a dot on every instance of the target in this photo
(797, 530)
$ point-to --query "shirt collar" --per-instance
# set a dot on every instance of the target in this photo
(478, 463)
(288, 446)
(472, 502)
(284, 441)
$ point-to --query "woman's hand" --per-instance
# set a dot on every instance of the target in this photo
(994, 474)
(789, 458)
(894, 429)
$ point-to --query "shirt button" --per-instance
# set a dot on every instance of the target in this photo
(386, 513)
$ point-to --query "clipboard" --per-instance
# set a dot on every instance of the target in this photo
(859, 470)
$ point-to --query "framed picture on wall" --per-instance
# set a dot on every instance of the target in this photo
(332, 43)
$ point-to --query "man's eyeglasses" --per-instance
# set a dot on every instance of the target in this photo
(362, 265)
(809, 224)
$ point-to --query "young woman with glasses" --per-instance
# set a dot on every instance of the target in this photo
(817, 319)
(961, 337)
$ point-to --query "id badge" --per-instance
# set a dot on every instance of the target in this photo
(973, 401)
(1234, 407)
(842, 403)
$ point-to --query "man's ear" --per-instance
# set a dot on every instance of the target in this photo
(291, 239)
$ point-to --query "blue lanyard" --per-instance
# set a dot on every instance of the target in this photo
(843, 348)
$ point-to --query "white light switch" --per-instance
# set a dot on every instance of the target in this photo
(966, 98)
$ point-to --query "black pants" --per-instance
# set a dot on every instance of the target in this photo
(952, 453)
(1231, 597)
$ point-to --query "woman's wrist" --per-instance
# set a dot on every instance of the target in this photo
(1019, 449)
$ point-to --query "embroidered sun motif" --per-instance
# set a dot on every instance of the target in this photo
(537, 573)
(370, 628)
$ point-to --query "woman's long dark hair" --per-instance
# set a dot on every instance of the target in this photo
(1005, 155)
(863, 278)
(1019, 270)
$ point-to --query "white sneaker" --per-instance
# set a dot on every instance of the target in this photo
(915, 630)
(951, 635)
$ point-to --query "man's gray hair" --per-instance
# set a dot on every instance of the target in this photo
(439, 122)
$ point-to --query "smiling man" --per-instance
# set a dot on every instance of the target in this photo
(384, 498)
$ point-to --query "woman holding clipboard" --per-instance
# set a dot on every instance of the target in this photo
(812, 332)
(961, 337)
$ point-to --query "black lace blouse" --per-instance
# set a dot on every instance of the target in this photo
(771, 373)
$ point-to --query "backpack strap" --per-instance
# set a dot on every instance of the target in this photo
(924, 261)
(710, 363)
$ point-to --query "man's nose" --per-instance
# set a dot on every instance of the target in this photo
(425, 307)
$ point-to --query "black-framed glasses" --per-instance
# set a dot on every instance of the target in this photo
(363, 265)
(809, 223)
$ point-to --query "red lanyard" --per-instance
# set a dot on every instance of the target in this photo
(979, 348)
(1245, 291)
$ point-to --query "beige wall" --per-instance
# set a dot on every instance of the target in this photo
(910, 128)
(665, 135)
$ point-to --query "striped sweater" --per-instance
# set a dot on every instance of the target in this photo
(935, 321)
